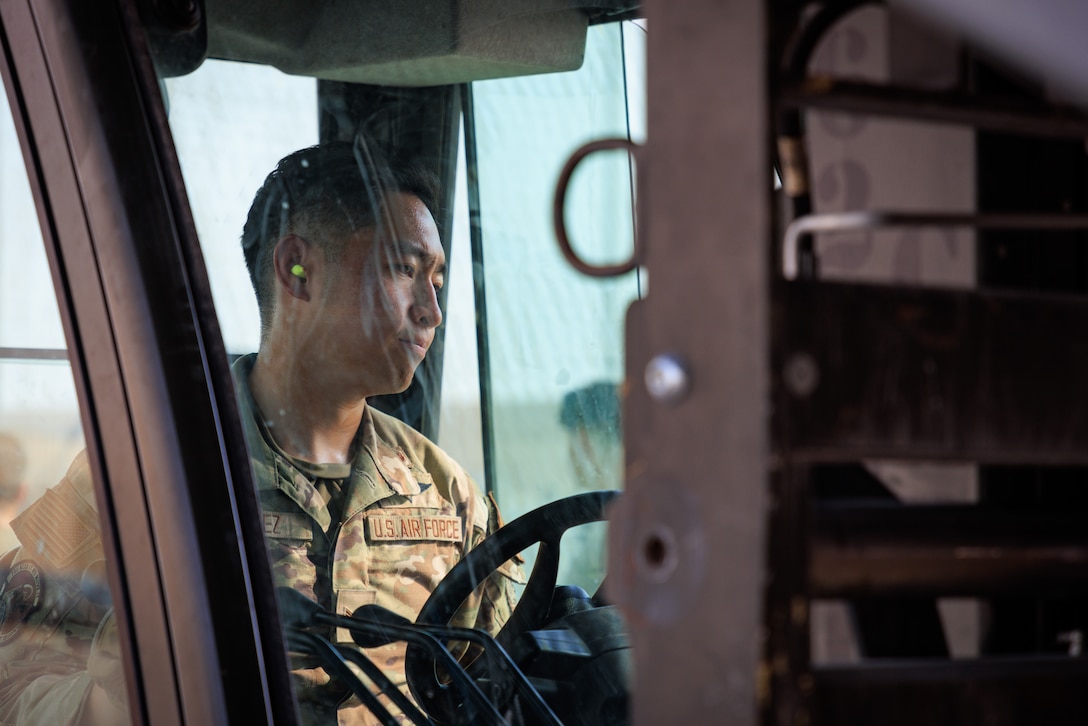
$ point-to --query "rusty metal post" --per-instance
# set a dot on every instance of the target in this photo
(687, 550)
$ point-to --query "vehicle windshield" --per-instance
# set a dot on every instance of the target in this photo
(517, 357)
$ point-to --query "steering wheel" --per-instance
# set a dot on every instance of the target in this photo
(545, 525)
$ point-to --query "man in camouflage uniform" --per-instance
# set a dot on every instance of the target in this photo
(358, 507)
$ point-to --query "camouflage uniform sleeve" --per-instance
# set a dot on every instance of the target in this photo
(42, 696)
(498, 598)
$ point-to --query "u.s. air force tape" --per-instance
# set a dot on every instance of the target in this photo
(414, 527)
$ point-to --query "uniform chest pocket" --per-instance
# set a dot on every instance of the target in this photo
(400, 551)
(287, 534)
(290, 539)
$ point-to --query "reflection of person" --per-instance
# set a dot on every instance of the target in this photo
(12, 486)
(58, 641)
(591, 415)
(346, 261)
(59, 656)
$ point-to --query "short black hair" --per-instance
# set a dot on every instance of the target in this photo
(337, 187)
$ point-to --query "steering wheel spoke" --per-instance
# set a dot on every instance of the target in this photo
(536, 600)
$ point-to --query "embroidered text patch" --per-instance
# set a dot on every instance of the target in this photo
(290, 526)
(414, 527)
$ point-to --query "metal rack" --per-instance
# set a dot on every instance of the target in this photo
(983, 376)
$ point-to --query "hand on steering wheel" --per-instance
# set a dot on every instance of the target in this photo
(545, 525)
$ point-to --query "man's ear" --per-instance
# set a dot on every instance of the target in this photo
(290, 260)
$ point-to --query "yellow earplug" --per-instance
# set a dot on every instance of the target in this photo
(298, 271)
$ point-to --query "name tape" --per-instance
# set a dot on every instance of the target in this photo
(289, 526)
(416, 528)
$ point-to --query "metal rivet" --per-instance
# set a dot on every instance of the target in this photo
(667, 378)
(802, 374)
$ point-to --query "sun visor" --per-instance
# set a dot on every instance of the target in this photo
(400, 43)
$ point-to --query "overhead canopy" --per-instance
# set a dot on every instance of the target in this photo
(401, 43)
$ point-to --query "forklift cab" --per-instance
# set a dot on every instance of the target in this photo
(470, 93)
(845, 421)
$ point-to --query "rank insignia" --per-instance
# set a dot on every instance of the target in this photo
(21, 595)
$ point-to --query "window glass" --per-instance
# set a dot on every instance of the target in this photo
(556, 336)
(231, 123)
(461, 422)
(59, 652)
(420, 225)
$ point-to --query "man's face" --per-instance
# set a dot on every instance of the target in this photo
(378, 309)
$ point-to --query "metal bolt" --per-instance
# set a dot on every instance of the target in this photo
(802, 374)
(667, 378)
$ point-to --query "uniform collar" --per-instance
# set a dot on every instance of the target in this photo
(380, 469)
(391, 462)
